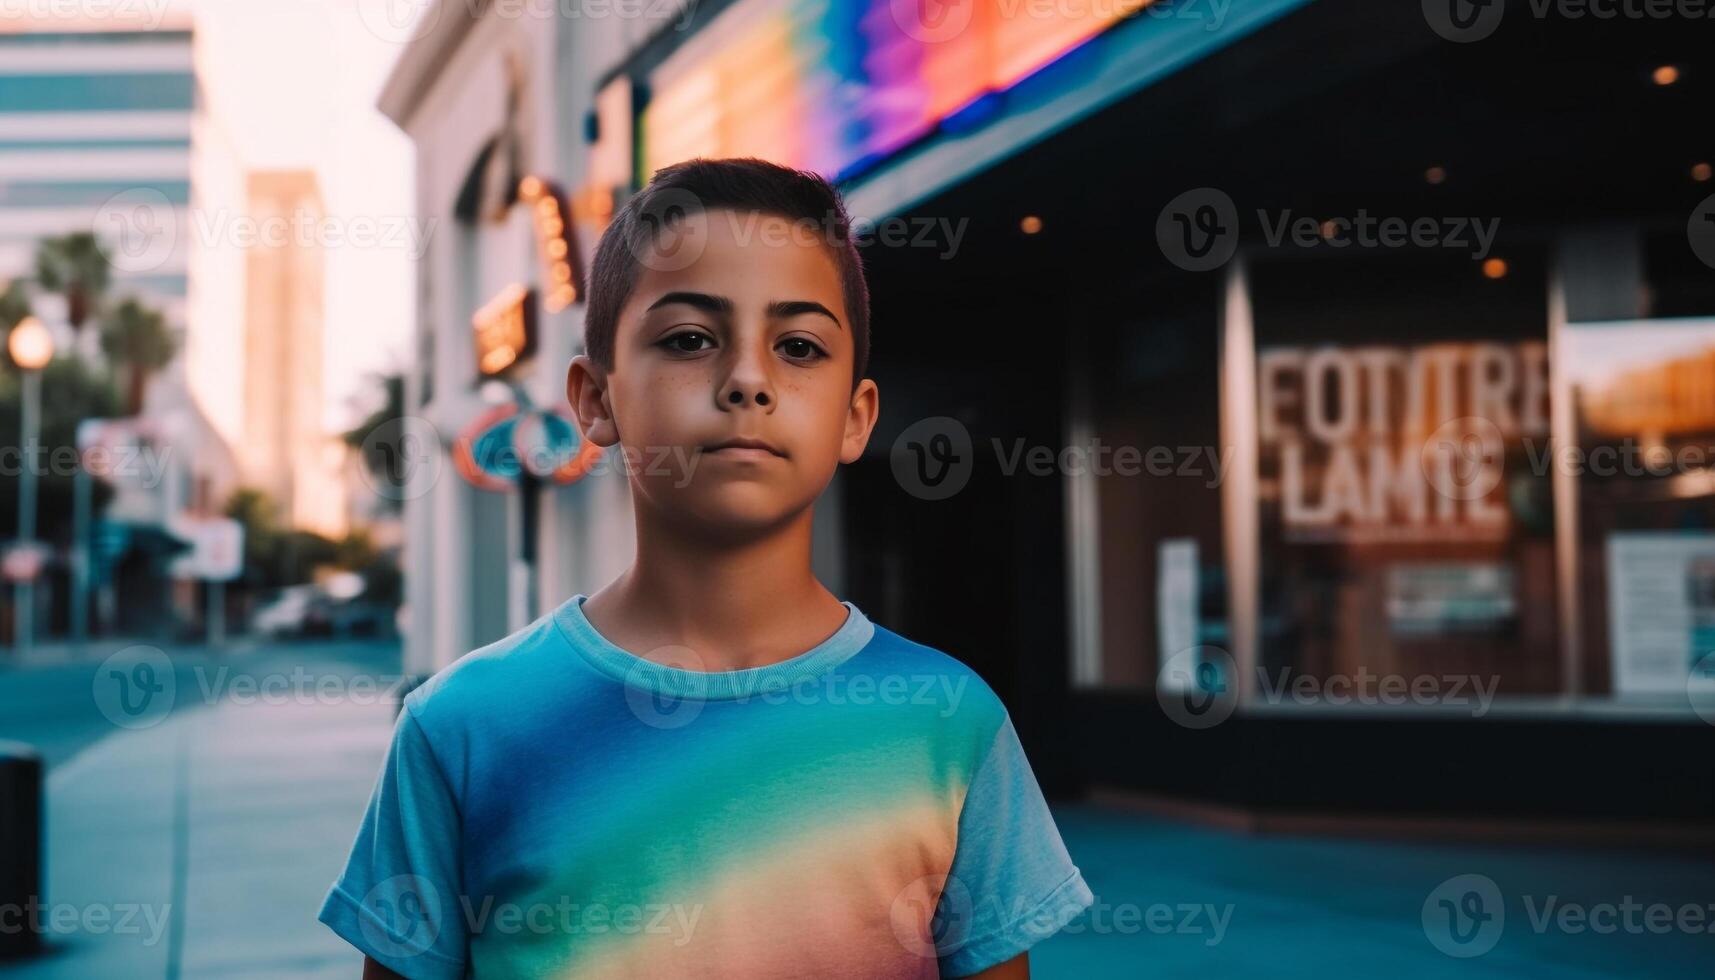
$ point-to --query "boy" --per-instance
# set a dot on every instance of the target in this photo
(712, 767)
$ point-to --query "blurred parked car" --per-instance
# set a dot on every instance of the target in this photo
(357, 617)
(296, 610)
(308, 610)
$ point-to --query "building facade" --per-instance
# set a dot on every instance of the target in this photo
(480, 98)
(1349, 415)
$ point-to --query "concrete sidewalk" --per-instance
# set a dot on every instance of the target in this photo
(59, 650)
(202, 847)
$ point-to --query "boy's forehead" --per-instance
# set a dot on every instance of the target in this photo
(723, 253)
(727, 230)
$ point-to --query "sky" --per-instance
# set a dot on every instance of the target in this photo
(292, 84)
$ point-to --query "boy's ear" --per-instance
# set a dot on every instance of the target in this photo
(860, 420)
(586, 389)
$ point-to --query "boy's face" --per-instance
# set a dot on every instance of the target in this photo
(735, 332)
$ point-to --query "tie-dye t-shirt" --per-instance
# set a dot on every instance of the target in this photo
(555, 806)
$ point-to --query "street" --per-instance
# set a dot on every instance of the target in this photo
(50, 703)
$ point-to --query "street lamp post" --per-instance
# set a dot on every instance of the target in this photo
(31, 347)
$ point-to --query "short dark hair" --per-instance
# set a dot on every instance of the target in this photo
(742, 184)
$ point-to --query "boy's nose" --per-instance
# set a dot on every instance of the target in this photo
(749, 381)
(737, 393)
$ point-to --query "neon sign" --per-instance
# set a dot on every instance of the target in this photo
(505, 330)
(508, 444)
(831, 85)
(554, 240)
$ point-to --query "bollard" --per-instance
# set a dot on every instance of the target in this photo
(20, 847)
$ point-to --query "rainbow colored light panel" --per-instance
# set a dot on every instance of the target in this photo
(829, 85)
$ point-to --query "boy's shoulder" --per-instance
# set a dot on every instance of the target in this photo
(891, 650)
(489, 677)
(922, 675)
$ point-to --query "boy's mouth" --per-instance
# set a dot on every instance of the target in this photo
(745, 448)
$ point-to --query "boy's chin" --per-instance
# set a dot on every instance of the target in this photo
(736, 511)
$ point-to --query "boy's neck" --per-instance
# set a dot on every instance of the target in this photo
(737, 603)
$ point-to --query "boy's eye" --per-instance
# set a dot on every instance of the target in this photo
(688, 342)
(800, 349)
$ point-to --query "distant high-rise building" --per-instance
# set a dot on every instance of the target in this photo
(95, 135)
(284, 450)
(101, 123)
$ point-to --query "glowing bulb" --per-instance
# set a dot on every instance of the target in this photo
(31, 345)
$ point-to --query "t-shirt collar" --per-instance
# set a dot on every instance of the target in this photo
(600, 653)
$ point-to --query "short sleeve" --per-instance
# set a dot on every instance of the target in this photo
(398, 898)
(1012, 883)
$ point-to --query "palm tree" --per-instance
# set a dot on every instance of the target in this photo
(74, 266)
(392, 407)
(138, 337)
(391, 410)
(14, 305)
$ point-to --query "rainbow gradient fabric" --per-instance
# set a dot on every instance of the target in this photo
(555, 806)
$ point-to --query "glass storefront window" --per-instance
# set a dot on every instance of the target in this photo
(1153, 538)
(1644, 394)
(1406, 531)
(1448, 487)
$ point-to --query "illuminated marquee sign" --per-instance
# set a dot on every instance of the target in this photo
(554, 240)
(505, 330)
(830, 86)
(505, 327)
(1396, 443)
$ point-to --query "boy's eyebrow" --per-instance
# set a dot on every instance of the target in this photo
(779, 309)
(783, 308)
(702, 301)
